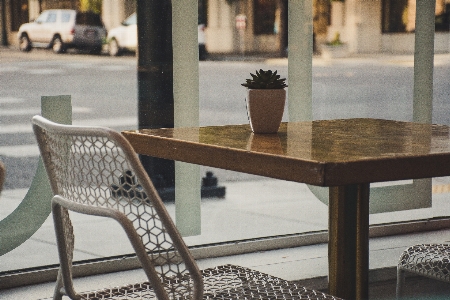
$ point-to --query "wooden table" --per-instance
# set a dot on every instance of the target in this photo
(345, 155)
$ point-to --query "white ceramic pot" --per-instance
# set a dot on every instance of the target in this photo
(265, 109)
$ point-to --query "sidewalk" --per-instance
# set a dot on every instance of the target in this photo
(406, 60)
(251, 208)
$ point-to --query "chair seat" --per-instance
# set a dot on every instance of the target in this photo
(431, 260)
(222, 282)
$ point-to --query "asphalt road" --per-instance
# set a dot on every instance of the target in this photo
(104, 92)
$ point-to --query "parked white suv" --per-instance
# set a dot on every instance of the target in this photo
(61, 29)
(124, 38)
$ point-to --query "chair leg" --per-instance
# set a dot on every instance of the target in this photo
(57, 295)
(400, 283)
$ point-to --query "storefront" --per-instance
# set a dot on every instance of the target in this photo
(260, 26)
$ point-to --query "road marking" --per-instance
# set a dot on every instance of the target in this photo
(115, 68)
(115, 122)
(78, 65)
(45, 71)
(15, 128)
(9, 69)
(35, 111)
(5, 100)
(19, 151)
(33, 150)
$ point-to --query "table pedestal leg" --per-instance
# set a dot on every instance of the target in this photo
(348, 246)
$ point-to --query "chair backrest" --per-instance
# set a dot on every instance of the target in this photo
(94, 170)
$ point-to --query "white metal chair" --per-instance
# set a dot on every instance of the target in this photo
(95, 171)
(429, 260)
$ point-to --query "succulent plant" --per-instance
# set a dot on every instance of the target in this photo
(265, 80)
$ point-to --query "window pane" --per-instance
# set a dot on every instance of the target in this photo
(88, 18)
(442, 17)
(264, 11)
(65, 17)
(42, 17)
(51, 18)
(400, 16)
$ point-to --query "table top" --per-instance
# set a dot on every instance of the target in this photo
(323, 153)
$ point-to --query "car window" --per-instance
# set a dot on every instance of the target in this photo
(131, 20)
(51, 17)
(65, 17)
(88, 18)
(42, 17)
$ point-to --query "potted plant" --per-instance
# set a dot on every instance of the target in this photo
(266, 97)
(334, 48)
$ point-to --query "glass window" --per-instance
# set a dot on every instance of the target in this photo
(278, 207)
(131, 20)
(400, 16)
(65, 17)
(42, 18)
(442, 17)
(264, 12)
(51, 17)
(88, 18)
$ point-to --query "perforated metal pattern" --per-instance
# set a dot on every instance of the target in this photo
(431, 260)
(224, 282)
(94, 171)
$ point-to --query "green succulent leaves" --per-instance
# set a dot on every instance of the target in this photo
(265, 80)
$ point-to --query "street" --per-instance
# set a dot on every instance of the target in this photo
(104, 92)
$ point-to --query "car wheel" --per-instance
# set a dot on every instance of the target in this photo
(24, 43)
(114, 48)
(58, 45)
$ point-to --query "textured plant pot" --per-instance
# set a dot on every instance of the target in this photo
(336, 51)
(265, 109)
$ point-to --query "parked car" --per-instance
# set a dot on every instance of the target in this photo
(61, 29)
(124, 38)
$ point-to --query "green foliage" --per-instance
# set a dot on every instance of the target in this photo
(336, 41)
(91, 5)
(265, 80)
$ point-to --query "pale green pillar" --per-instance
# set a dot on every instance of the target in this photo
(423, 61)
(34, 209)
(300, 36)
(423, 77)
(186, 111)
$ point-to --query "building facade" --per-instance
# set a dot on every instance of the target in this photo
(260, 26)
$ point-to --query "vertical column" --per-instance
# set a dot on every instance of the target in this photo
(300, 53)
(155, 81)
(186, 102)
(423, 74)
(348, 246)
(423, 61)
